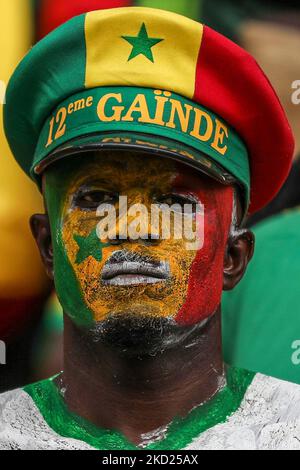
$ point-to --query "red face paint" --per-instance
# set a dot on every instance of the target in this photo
(206, 272)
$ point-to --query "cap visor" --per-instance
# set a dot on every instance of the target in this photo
(122, 141)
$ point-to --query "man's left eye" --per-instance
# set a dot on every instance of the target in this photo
(92, 199)
(177, 200)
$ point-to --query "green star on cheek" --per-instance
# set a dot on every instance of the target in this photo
(89, 246)
(142, 44)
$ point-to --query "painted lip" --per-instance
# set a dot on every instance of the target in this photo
(128, 273)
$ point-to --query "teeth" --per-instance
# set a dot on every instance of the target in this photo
(130, 280)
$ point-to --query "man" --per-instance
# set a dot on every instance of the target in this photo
(140, 127)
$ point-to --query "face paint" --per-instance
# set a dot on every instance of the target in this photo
(205, 282)
(96, 278)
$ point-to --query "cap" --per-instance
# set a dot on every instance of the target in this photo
(152, 80)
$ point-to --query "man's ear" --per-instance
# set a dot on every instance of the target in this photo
(240, 248)
(40, 228)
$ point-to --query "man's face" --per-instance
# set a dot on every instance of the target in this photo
(135, 267)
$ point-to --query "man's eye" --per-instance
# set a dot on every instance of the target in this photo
(178, 202)
(92, 199)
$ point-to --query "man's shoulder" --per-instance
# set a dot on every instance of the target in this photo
(268, 418)
(22, 426)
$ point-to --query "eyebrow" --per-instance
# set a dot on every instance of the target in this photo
(95, 182)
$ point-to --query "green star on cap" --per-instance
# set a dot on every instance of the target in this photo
(89, 246)
(142, 44)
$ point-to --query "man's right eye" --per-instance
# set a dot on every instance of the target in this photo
(92, 199)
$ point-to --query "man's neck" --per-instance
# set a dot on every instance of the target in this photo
(139, 394)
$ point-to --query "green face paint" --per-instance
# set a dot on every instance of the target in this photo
(89, 246)
(178, 435)
(66, 284)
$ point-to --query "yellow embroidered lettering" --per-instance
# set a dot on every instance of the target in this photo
(139, 105)
(199, 115)
(183, 116)
(221, 132)
(117, 110)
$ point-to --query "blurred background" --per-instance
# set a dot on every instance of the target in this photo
(261, 317)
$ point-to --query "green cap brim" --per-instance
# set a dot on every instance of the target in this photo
(138, 142)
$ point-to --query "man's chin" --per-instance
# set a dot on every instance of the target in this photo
(136, 335)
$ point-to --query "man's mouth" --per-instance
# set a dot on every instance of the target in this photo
(126, 272)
